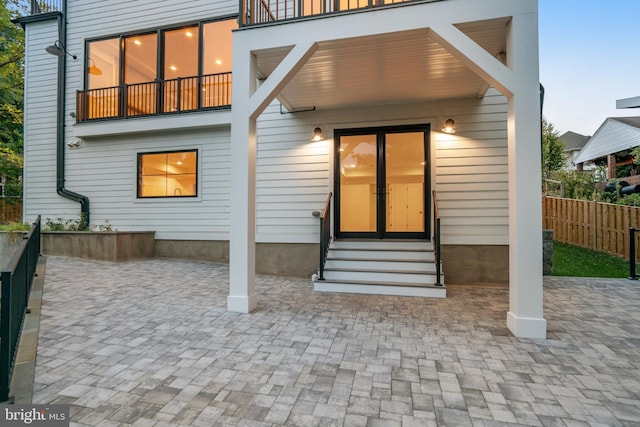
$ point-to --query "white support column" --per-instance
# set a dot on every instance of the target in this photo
(242, 245)
(248, 103)
(525, 316)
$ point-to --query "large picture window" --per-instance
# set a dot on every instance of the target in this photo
(168, 174)
(160, 72)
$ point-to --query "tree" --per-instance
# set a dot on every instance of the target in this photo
(11, 98)
(552, 150)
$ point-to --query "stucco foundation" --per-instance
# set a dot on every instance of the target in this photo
(116, 246)
(462, 264)
(468, 264)
(195, 250)
(286, 259)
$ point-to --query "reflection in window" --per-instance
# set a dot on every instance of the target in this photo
(169, 174)
(216, 59)
(181, 61)
(103, 71)
(140, 63)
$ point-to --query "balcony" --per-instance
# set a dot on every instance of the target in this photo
(255, 12)
(207, 92)
(45, 6)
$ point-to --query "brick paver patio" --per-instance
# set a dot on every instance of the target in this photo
(150, 343)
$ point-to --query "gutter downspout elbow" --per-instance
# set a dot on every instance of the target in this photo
(85, 213)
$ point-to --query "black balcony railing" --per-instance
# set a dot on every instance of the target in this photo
(255, 12)
(45, 6)
(16, 287)
(211, 91)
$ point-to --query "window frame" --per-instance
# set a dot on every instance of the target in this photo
(141, 154)
(159, 31)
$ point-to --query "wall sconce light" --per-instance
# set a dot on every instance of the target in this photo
(58, 49)
(317, 135)
(449, 126)
(93, 69)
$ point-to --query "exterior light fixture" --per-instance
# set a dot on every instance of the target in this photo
(317, 135)
(449, 126)
(58, 49)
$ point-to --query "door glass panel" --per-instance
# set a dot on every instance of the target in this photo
(358, 176)
(404, 159)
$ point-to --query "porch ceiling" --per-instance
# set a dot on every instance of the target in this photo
(385, 69)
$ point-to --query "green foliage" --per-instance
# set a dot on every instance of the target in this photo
(569, 260)
(61, 224)
(636, 155)
(105, 227)
(552, 150)
(576, 184)
(64, 224)
(11, 97)
(624, 171)
(15, 230)
(629, 200)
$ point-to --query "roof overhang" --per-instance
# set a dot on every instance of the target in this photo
(628, 102)
(387, 68)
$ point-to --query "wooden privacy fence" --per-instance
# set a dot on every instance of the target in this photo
(603, 227)
(10, 210)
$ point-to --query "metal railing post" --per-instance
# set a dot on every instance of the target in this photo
(436, 239)
(632, 253)
(6, 355)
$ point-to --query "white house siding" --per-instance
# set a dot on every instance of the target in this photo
(99, 18)
(40, 117)
(468, 169)
(470, 173)
(105, 170)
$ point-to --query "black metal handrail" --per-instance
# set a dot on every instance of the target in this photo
(325, 234)
(45, 6)
(16, 287)
(210, 91)
(254, 12)
(436, 238)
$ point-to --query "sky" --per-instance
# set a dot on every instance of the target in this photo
(589, 58)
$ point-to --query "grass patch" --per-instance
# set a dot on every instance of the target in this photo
(573, 261)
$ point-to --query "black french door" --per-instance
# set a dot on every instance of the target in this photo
(382, 182)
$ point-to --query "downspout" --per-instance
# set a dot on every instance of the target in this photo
(60, 131)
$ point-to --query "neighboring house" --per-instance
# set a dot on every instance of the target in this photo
(628, 103)
(148, 129)
(611, 144)
(573, 143)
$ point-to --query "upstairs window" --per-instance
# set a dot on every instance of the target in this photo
(164, 71)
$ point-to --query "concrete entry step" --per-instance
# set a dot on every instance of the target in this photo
(387, 267)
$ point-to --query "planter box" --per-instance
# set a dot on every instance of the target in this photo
(115, 246)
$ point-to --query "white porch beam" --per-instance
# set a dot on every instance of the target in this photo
(242, 245)
(525, 317)
(284, 72)
(473, 56)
